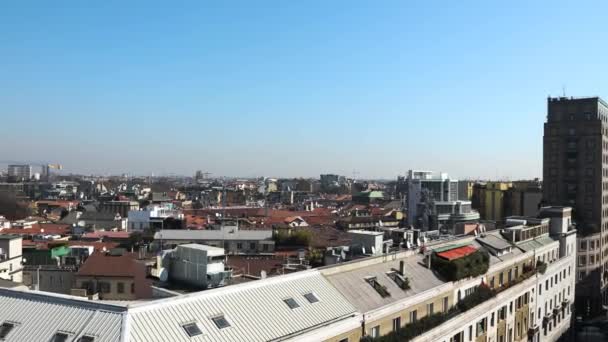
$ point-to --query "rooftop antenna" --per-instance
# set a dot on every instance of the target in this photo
(564, 90)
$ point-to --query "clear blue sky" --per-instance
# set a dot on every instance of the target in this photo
(290, 88)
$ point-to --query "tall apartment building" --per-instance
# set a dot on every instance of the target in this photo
(20, 172)
(575, 173)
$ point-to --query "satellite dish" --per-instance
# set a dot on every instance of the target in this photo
(163, 275)
(342, 255)
(262, 274)
(363, 250)
(408, 244)
(373, 250)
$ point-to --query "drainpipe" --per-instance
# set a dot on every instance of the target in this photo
(363, 326)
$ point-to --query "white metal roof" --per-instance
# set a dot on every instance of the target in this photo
(38, 317)
(256, 311)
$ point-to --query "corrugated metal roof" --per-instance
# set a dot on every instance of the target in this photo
(213, 235)
(256, 311)
(38, 317)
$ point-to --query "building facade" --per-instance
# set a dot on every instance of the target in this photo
(424, 186)
(575, 173)
(11, 260)
(20, 172)
(522, 289)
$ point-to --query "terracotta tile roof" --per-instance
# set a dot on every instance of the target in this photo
(102, 264)
(196, 221)
(98, 246)
(254, 265)
(49, 228)
(62, 204)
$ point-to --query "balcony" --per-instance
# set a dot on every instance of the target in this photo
(533, 330)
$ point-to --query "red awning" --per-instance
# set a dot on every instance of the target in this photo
(457, 253)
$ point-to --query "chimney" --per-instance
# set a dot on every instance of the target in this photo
(401, 267)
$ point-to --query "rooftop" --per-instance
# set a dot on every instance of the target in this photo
(102, 264)
(352, 284)
(209, 234)
(9, 237)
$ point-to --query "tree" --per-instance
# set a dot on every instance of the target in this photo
(13, 208)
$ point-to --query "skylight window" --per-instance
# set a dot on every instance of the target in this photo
(221, 322)
(291, 303)
(5, 328)
(311, 297)
(192, 329)
(60, 337)
(86, 338)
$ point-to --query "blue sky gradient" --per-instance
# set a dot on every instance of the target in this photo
(292, 88)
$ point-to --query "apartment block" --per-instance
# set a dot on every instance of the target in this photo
(516, 284)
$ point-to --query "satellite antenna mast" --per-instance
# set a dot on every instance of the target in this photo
(564, 90)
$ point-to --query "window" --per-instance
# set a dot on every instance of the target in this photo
(502, 313)
(192, 329)
(500, 280)
(291, 303)
(86, 338)
(120, 287)
(540, 290)
(239, 245)
(252, 245)
(132, 287)
(5, 328)
(413, 316)
(60, 337)
(492, 320)
(376, 331)
(221, 322)
(344, 340)
(104, 287)
(311, 297)
(396, 323)
(445, 304)
(429, 309)
(470, 333)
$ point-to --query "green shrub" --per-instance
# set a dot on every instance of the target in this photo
(541, 267)
(411, 330)
(472, 265)
(296, 238)
(481, 294)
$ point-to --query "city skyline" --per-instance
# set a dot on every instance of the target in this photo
(291, 90)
